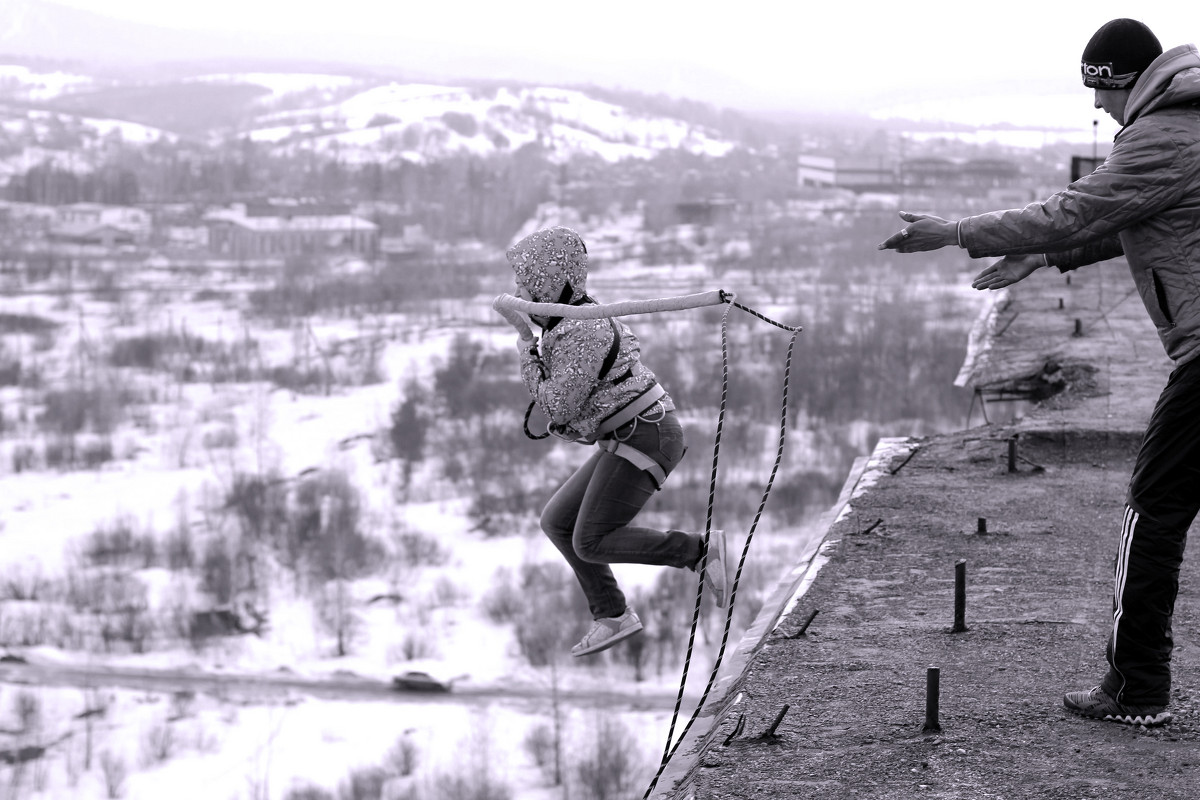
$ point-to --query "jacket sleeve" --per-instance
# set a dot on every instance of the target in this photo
(565, 375)
(1091, 253)
(1139, 178)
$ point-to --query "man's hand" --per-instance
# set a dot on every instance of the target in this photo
(924, 232)
(1007, 271)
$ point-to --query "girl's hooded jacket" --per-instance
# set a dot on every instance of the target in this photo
(569, 372)
(1143, 202)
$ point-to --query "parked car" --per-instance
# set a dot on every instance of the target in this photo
(414, 681)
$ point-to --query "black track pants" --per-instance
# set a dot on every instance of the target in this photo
(1164, 497)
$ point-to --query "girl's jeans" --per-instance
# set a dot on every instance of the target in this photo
(588, 518)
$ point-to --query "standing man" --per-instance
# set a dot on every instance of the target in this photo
(1143, 202)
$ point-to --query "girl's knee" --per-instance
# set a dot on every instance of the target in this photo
(587, 550)
(552, 527)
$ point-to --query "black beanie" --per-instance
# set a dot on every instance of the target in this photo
(1118, 53)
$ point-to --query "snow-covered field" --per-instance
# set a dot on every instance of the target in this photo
(174, 458)
(203, 745)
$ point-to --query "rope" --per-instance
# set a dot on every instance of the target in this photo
(712, 491)
(669, 749)
(621, 309)
(525, 425)
(792, 328)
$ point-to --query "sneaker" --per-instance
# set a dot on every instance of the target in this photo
(716, 572)
(1097, 704)
(606, 632)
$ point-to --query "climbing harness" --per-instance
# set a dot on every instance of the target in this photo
(637, 458)
(634, 410)
(670, 304)
(645, 408)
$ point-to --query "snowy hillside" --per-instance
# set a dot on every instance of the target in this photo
(23, 83)
(425, 121)
(350, 117)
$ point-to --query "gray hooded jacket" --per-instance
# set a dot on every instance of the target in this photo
(565, 372)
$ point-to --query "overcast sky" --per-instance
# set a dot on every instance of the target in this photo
(832, 54)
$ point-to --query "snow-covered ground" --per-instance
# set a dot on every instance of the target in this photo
(150, 745)
(170, 469)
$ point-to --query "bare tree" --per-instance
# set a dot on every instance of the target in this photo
(610, 769)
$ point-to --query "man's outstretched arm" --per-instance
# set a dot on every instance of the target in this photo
(1007, 271)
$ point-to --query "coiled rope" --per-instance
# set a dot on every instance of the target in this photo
(672, 304)
(672, 745)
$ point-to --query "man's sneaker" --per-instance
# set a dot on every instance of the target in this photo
(1097, 704)
(606, 632)
(716, 571)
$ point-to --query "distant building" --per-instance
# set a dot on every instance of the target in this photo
(862, 174)
(14, 211)
(409, 246)
(972, 177)
(992, 173)
(930, 173)
(234, 234)
(189, 236)
(90, 233)
(92, 220)
(880, 174)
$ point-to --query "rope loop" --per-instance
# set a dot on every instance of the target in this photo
(672, 745)
(525, 424)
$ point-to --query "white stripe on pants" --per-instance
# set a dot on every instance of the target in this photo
(1128, 525)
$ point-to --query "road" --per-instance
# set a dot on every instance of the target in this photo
(282, 685)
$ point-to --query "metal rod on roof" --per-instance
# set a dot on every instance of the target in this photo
(769, 733)
(932, 690)
(960, 592)
(807, 622)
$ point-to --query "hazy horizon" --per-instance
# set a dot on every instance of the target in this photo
(832, 59)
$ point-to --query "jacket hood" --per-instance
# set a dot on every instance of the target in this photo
(1171, 79)
(552, 265)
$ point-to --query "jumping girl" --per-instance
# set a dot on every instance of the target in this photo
(588, 379)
